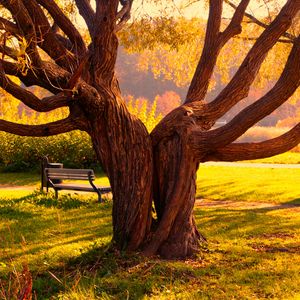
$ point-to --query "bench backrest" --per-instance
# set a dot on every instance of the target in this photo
(75, 174)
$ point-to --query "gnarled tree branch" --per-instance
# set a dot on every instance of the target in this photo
(210, 52)
(7, 51)
(239, 86)
(9, 26)
(284, 88)
(104, 44)
(29, 99)
(48, 129)
(246, 151)
(87, 12)
(50, 76)
(25, 27)
(65, 25)
(47, 39)
(235, 26)
(214, 42)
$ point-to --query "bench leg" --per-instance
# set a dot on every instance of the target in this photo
(56, 194)
(99, 197)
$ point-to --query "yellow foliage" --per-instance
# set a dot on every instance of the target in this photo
(141, 109)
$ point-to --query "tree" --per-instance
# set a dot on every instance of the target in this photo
(142, 167)
(167, 102)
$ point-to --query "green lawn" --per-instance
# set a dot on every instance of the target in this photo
(253, 252)
(216, 183)
(34, 178)
(248, 184)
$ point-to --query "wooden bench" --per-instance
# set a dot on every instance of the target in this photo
(55, 177)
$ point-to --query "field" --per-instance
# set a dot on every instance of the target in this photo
(251, 218)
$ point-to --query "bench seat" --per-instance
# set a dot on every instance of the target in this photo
(55, 177)
(80, 187)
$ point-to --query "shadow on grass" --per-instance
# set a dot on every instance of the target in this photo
(108, 274)
(287, 205)
(246, 222)
(15, 214)
(46, 223)
(101, 269)
(19, 178)
(66, 201)
(295, 201)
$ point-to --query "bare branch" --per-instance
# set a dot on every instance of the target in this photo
(124, 14)
(9, 26)
(235, 26)
(214, 42)
(29, 99)
(258, 22)
(239, 86)
(50, 76)
(246, 151)
(246, 38)
(210, 52)
(48, 129)
(47, 39)
(87, 12)
(25, 27)
(65, 24)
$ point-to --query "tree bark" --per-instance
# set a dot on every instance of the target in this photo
(124, 149)
(175, 188)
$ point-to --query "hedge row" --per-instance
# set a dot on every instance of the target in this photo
(73, 149)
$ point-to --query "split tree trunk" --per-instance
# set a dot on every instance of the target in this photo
(140, 172)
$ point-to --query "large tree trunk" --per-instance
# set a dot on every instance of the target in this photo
(124, 149)
(175, 188)
(128, 156)
(175, 167)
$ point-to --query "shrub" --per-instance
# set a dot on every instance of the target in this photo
(73, 149)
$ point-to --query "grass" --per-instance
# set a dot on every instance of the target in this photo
(248, 184)
(253, 252)
(213, 182)
(20, 178)
(34, 178)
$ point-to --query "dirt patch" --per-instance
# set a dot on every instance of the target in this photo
(274, 235)
(274, 249)
(17, 187)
